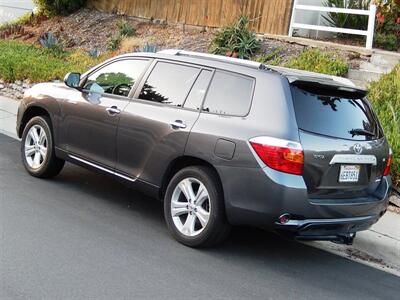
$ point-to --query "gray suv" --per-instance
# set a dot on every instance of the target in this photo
(221, 141)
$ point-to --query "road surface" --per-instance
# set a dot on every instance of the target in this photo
(84, 236)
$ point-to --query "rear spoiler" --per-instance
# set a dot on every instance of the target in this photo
(323, 86)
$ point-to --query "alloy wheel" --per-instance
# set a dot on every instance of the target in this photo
(36, 147)
(190, 207)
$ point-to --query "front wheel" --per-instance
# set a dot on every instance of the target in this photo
(37, 149)
(194, 208)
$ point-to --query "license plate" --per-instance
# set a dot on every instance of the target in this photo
(349, 173)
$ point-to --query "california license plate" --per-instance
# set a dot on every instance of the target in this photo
(349, 173)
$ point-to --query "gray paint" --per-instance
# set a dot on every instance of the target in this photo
(140, 144)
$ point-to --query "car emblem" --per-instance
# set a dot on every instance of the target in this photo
(357, 149)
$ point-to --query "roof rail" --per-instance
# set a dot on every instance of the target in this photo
(220, 58)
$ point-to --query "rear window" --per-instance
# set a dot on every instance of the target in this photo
(334, 115)
(229, 94)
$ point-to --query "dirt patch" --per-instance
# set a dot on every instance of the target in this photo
(90, 29)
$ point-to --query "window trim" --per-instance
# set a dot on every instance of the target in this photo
(150, 70)
(107, 63)
(238, 75)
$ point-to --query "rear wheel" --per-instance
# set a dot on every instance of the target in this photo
(194, 208)
(37, 149)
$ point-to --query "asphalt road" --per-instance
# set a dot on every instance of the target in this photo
(84, 236)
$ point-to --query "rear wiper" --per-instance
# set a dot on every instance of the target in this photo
(360, 131)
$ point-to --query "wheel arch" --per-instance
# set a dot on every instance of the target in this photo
(180, 163)
(31, 112)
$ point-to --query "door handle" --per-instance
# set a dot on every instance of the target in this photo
(113, 110)
(178, 124)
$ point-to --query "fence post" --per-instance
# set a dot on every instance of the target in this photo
(292, 18)
(371, 26)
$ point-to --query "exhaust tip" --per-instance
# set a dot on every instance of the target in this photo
(283, 219)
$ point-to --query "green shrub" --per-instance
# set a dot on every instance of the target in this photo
(236, 40)
(387, 41)
(273, 58)
(125, 29)
(59, 7)
(384, 95)
(20, 61)
(114, 42)
(315, 61)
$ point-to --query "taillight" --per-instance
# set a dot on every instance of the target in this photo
(281, 155)
(388, 164)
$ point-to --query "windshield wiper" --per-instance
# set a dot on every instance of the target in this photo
(360, 131)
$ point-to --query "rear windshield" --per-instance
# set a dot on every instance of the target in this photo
(334, 115)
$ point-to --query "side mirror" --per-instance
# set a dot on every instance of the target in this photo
(72, 80)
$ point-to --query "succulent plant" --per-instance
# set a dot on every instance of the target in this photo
(48, 40)
(150, 48)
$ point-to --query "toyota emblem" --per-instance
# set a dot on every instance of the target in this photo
(357, 148)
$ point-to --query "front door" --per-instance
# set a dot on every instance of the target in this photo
(91, 117)
(155, 125)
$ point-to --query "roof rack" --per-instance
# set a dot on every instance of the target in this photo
(220, 58)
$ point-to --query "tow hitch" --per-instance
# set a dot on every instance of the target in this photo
(346, 239)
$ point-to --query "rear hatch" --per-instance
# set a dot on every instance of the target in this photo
(345, 152)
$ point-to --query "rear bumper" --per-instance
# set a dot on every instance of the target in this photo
(259, 196)
(326, 229)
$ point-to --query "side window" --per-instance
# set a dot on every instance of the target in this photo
(116, 78)
(169, 83)
(229, 94)
(198, 91)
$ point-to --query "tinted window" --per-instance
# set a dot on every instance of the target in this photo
(116, 78)
(198, 91)
(169, 83)
(229, 94)
(335, 116)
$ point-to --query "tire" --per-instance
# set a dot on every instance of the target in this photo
(48, 165)
(201, 224)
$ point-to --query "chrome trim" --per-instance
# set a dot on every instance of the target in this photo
(302, 223)
(102, 168)
(353, 159)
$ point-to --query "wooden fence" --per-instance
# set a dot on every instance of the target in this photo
(269, 16)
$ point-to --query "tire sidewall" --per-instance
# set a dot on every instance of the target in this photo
(41, 121)
(214, 196)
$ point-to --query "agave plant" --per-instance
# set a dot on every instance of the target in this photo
(48, 40)
(150, 48)
(347, 20)
(236, 40)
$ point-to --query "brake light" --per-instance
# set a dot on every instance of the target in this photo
(281, 155)
(388, 164)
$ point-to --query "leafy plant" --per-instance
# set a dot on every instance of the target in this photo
(150, 48)
(388, 24)
(19, 61)
(384, 95)
(387, 41)
(347, 20)
(59, 7)
(271, 58)
(125, 29)
(48, 40)
(236, 40)
(95, 52)
(316, 61)
(114, 42)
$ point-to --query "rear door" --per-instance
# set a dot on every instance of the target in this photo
(345, 151)
(155, 125)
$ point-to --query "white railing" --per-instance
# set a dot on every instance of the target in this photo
(369, 33)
